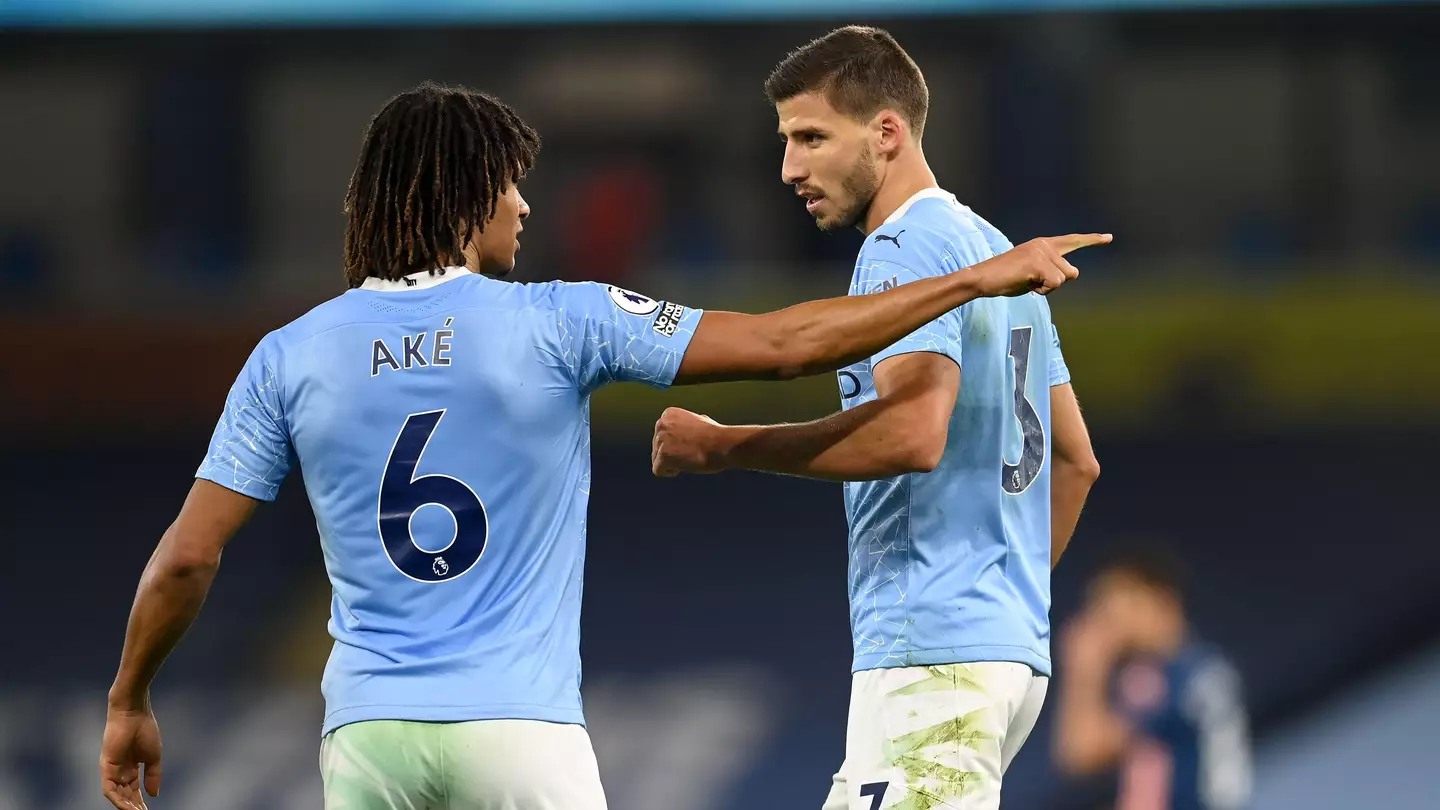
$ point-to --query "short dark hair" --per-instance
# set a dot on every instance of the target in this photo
(860, 70)
(1151, 563)
(433, 164)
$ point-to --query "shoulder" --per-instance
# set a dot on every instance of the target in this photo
(593, 300)
(268, 355)
(900, 252)
(934, 236)
(1210, 661)
(1207, 679)
(321, 317)
(565, 301)
(350, 307)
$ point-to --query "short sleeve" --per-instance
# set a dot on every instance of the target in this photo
(250, 451)
(890, 259)
(1059, 372)
(610, 334)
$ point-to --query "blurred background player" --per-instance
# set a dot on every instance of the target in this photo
(441, 420)
(1141, 691)
(959, 495)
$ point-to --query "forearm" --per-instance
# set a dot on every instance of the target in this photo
(835, 332)
(1069, 487)
(171, 591)
(853, 445)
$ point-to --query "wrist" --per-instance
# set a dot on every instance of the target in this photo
(128, 698)
(726, 447)
(969, 284)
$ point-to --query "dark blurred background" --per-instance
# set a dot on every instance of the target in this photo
(1256, 354)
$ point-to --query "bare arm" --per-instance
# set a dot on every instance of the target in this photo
(902, 431)
(174, 586)
(820, 336)
(1075, 468)
(1089, 737)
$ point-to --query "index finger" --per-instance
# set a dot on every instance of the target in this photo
(1075, 241)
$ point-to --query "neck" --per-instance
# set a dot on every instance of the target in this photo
(907, 176)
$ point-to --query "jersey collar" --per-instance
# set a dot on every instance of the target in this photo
(415, 281)
(922, 194)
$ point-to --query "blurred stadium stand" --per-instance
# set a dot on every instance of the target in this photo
(1384, 729)
(1255, 354)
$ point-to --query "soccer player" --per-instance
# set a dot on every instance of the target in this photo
(440, 419)
(960, 495)
(1142, 691)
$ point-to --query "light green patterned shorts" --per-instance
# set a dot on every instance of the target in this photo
(934, 737)
(479, 765)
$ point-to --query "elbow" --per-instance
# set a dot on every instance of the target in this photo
(184, 558)
(1084, 470)
(187, 565)
(916, 437)
(787, 369)
(919, 451)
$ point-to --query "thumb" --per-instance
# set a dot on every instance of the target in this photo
(1075, 241)
(152, 776)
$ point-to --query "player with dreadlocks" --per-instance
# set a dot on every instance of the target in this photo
(440, 418)
(437, 159)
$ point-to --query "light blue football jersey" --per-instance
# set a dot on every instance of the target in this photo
(441, 424)
(953, 565)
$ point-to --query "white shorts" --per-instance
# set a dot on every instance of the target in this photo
(935, 736)
(478, 765)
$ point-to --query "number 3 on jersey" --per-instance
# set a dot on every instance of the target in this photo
(402, 495)
(1016, 478)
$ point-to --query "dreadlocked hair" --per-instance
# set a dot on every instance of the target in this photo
(433, 164)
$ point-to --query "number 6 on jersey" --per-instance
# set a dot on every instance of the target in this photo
(402, 495)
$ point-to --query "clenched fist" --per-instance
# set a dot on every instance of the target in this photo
(686, 442)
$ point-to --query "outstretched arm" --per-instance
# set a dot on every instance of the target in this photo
(903, 430)
(820, 336)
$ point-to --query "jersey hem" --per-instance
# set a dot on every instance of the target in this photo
(953, 655)
(685, 339)
(450, 714)
(885, 354)
(268, 496)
